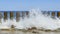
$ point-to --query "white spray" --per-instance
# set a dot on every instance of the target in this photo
(36, 19)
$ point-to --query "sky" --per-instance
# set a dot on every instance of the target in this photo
(22, 5)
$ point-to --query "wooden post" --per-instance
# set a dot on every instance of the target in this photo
(0, 16)
(5, 16)
(11, 15)
(58, 14)
(17, 16)
(23, 14)
(27, 13)
(53, 13)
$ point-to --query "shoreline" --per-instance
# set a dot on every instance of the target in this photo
(13, 29)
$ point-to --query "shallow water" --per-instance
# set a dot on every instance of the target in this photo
(28, 32)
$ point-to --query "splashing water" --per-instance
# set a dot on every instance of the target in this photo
(36, 19)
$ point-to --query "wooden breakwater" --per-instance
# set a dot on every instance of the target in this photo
(17, 14)
(13, 14)
(52, 13)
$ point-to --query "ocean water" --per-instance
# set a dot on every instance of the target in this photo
(35, 19)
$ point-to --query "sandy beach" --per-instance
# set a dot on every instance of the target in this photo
(28, 32)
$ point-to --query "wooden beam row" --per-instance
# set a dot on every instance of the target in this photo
(10, 15)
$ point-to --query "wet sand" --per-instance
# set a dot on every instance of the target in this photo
(27, 32)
